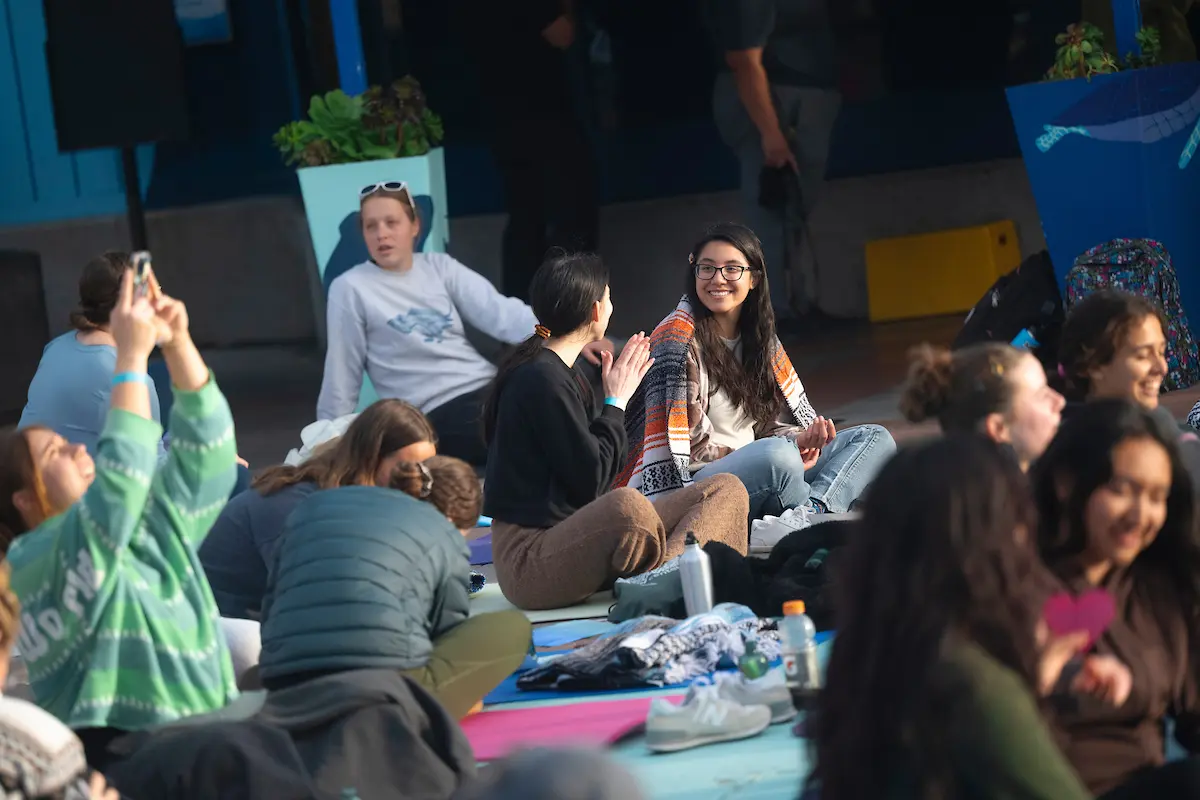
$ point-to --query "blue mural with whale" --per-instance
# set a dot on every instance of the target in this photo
(1113, 157)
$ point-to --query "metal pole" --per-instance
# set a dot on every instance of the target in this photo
(1127, 20)
(133, 199)
(347, 41)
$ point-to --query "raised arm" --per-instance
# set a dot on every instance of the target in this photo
(201, 464)
(88, 539)
(505, 319)
(345, 355)
(741, 28)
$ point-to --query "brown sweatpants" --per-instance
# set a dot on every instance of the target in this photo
(617, 535)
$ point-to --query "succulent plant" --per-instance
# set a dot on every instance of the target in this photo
(1081, 53)
(381, 123)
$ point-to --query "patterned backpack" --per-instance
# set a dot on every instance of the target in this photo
(1141, 267)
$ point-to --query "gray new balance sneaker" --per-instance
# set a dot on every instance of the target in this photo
(704, 717)
(770, 690)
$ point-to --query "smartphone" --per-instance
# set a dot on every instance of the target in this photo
(141, 272)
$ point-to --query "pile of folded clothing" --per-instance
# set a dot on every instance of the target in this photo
(657, 651)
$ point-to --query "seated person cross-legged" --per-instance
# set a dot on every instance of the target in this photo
(558, 533)
(241, 547)
(399, 319)
(723, 398)
(378, 578)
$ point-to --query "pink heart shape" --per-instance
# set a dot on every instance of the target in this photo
(1092, 611)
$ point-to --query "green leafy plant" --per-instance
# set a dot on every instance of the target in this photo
(1081, 53)
(383, 122)
(1150, 46)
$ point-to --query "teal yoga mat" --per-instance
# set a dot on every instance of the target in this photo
(771, 765)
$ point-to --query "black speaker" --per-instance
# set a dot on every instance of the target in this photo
(24, 328)
(116, 72)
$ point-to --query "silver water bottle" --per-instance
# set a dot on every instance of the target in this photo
(695, 571)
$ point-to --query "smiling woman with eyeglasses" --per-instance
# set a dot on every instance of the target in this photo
(722, 397)
(399, 319)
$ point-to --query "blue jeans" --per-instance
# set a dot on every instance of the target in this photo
(771, 471)
(774, 476)
(847, 466)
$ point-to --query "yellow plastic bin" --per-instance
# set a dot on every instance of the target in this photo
(932, 274)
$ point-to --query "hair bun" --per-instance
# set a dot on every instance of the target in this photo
(930, 372)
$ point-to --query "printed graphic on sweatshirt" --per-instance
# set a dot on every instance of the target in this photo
(424, 322)
(38, 631)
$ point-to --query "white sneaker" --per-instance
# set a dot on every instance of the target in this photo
(765, 533)
(704, 717)
(770, 690)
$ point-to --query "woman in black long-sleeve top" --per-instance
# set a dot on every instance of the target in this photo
(558, 534)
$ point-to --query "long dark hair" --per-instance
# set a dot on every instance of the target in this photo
(353, 458)
(750, 385)
(1092, 334)
(939, 553)
(562, 294)
(1079, 461)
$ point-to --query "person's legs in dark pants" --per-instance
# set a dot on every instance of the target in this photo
(519, 159)
(459, 427)
(550, 192)
(571, 173)
(473, 658)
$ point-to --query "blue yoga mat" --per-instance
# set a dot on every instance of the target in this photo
(481, 550)
(507, 691)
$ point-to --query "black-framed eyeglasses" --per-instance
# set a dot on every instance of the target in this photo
(731, 272)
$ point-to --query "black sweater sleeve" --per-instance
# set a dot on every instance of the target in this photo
(584, 453)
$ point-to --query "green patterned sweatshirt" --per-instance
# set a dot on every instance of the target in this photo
(118, 624)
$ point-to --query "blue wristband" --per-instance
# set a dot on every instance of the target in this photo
(612, 401)
(130, 377)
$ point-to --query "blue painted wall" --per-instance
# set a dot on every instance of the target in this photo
(240, 94)
(39, 183)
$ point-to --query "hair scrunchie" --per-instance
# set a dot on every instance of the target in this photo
(542, 331)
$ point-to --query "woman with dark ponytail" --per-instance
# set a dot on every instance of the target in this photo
(70, 391)
(558, 533)
(377, 578)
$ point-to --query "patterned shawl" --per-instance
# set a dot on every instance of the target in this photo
(656, 420)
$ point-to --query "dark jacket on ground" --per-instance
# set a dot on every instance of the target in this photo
(240, 550)
(363, 734)
(554, 450)
(1152, 637)
(366, 578)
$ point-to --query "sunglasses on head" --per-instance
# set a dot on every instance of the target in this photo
(386, 186)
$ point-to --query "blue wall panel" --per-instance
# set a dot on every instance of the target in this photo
(41, 184)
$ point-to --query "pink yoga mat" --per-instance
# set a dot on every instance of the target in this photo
(495, 734)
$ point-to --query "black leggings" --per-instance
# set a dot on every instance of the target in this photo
(1177, 779)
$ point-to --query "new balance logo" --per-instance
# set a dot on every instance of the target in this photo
(712, 714)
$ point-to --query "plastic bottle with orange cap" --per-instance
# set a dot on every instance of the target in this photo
(799, 646)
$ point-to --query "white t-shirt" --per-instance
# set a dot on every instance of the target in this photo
(732, 426)
(406, 331)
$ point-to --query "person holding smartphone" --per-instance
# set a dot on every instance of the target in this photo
(119, 629)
